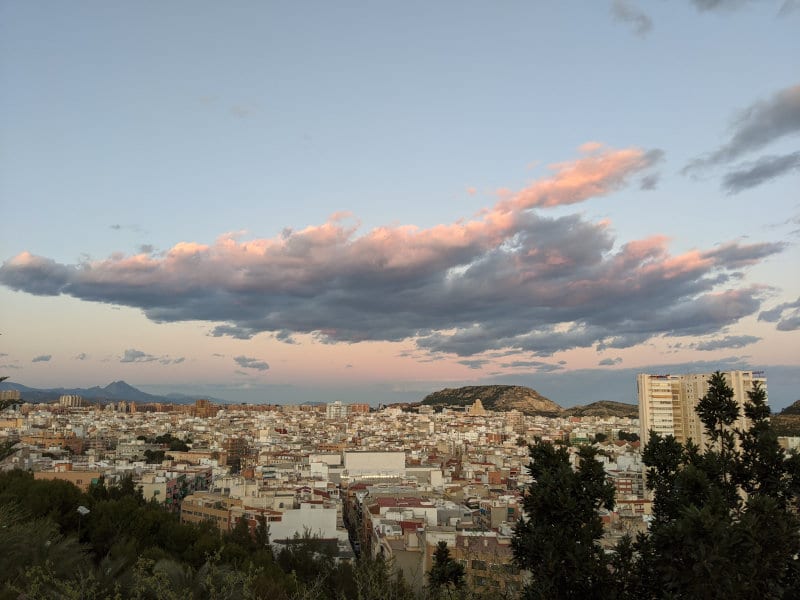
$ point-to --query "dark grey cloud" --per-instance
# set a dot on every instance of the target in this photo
(536, 365)
(786, 315)
(476, 363)
(627, 12)
(729, 341)
(247, 362)
(751, 174)
(146, 248)
(730, 5)
(42, 358)
(285, 337)
(132, 355)
(510, 280)
(759, 124)
(82, 356)
(708, 5)
(649, 182)
(610, 362)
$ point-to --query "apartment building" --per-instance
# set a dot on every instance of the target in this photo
(667, 402)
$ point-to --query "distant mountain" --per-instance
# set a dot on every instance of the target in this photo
(114, 391)
(604, 408)
(496, 397)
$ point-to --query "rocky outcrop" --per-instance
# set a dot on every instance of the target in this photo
(497, 398)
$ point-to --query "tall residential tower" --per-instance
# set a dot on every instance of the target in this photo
(667, 402)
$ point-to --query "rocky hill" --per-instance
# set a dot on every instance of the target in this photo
(496, 397)
(604, 408)
(787, 422)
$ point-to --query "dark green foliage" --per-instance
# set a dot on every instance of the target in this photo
(721, 528)
(558, 542)
(154, 456)
(445, 572)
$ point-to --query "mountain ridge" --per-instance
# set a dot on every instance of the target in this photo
(114, 391)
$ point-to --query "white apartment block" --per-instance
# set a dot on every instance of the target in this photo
(667, 402)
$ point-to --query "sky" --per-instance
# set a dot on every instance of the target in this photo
(287, 202)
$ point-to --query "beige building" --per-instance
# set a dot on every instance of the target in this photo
(667, 402)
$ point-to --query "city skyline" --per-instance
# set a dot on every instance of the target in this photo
(364, 204)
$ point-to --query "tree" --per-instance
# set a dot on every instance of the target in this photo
(722, 526)
(557, 543)
(445, 573)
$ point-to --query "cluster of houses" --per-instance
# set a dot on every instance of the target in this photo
(386, 482)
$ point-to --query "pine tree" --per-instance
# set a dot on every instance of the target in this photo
(557, 543)
(445, 574)
(721, 526)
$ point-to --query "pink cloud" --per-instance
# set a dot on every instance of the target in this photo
(509, 277)
(602, 171)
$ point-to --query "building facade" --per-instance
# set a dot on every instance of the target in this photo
(667, 402)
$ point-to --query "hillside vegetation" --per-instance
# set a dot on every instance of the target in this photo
(604, 408)
(496, 397)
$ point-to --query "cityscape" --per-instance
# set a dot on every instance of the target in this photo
(393, 481)
(403, 301)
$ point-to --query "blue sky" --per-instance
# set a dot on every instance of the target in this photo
(274, 202)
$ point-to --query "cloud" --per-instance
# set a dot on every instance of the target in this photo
(10, 366)
(285, 337)
(729, 341)
(630, 14)
(649, 182)
(166, 360)
(610, 362)
(764, 169)
(759, 124)
(241, 111)
(131, 355)
(476, 363)
(42, 358)
(512, 278)
(787, 315)
(536, 365)
(730, 5)
(251, 363)
(81, 356)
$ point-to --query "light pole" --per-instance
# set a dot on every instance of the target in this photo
(82, 512)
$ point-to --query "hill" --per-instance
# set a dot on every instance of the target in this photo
(604, 408)
(787, 422)
(496, 397)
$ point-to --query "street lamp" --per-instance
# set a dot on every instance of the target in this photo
(82, 512)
